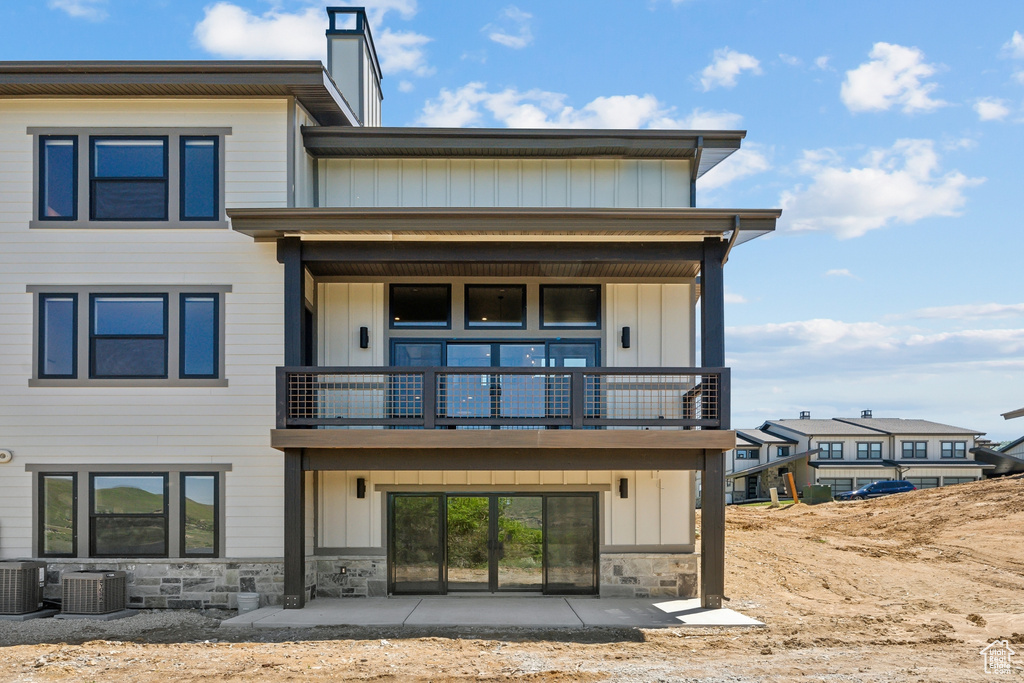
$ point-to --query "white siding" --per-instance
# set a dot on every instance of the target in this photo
(661, 322)
(343, 309)
(658, 511)
(607, 183)
(158, 425)
(305, 166)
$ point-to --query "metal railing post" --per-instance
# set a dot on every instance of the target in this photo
(282, 398)
(577, 395)
(429, 397)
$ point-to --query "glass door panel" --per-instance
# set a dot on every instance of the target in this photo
(520, 543)
(417, 553)
(570, 542)
(405, 391)
(521, 395)
(469, 535)
(468, 395)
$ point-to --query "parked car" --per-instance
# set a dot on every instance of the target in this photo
(876, 489)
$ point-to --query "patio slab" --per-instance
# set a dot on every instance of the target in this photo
(501, 611)
(330, 612)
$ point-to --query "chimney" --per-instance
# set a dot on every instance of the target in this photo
(865, 413)
(352, 62)
(805, 415)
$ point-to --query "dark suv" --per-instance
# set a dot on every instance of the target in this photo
(876, 489)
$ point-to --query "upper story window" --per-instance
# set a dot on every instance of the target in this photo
(130, 335)
(915, 449)
(782, 451)
(113, 177)
(570, 306)
(954, 449)
(421, 306)
(869, 450)
(747, 453)
(831, 450)
(496, 306)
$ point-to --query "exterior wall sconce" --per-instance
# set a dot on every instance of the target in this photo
(364, 337)
(625, 337)
(360, 488)
(623, 488)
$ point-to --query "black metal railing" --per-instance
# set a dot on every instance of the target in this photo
(503, 398)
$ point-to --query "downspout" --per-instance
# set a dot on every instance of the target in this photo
(732, 238)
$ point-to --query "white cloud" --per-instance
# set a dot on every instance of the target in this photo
(228, 30)
(1014, 47)
(970, 311)
(840, 272)
(790, 60)
(901, 184)
(705, 119)
(893, 77)
(726, 67)
(513, 30)
(85, 9)
(474, 105)
(405, 86)
(403, 51)
(747, 161)
(991, 109)
(731, 298)
(822, 63)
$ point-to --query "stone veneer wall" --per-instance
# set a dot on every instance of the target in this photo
(648, 575)
(187, 583)
(365, 576)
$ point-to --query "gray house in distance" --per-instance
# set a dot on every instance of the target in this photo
(256, 341)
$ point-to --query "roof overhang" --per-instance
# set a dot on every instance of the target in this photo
(708, 147)
(1000, 463)
(773, 463)
(306, 81)
(452, 223)
(1013, 413)
(896, 464)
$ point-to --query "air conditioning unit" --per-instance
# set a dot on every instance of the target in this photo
(93, 592)
(21, 586)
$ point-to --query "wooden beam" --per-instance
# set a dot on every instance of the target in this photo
(712, 304)
(294, 530)
(712, 530)
(289, 253)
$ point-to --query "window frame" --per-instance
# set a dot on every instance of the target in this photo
(164, 179)
(870, 447)
(747, 452)
(217, 513)
(83, 194)
(469, 325)
(182, 144)
(830, 448)
(915, 452)
(779, 452)
(217, 361)
(41, 335)
(93, 336)
(41, 513)
(41, 172)
(953, 450)
(93, 514)
(596, 325)
(446, 325)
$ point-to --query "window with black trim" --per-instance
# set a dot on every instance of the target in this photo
(58, 178)
(199, 329)
(58, 515)
(496, 306)
(782, 451)
(915, 449)
(200, 514)
(128, 515)
(421, 306)
(58, 336)
(830, 450)
(127, 336)
(570, 306)
(128, 178)
(200, 184)
(954, 449)
(748, 454)
(869, 450)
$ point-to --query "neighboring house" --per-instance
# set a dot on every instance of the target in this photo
(759, 462)
(255, 341)
(846, 453)
(1005, 458)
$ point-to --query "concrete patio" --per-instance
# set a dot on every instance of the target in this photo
(521, 612)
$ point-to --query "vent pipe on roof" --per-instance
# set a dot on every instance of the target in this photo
(805, 415)
(352, 62)
(865, 413)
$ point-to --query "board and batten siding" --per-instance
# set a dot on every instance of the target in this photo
(658, 511)
(157, 425)
(584, 183)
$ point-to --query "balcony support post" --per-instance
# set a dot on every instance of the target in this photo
(712, 304)
(289, 253)
(294, 530)
(712, 530)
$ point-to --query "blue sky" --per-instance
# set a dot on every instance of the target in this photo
(889, 132)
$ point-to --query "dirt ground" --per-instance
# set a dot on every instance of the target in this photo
(905, 588)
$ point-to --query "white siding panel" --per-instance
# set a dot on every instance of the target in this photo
(661, 322)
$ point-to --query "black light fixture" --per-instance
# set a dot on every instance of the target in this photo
(364, 337)
(623, 488)
(625, 337)
(360, 488)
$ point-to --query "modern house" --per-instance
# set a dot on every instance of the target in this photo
(252, 340)
(1005, 458)
(846, 453)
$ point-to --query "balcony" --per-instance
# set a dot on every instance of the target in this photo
(433, 398)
